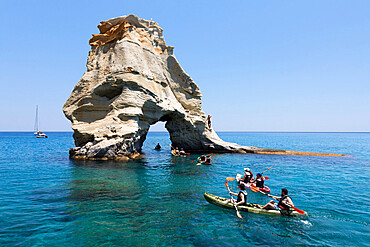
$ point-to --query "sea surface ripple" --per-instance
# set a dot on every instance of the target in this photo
(48, 199)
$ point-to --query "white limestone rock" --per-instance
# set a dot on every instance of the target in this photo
(133, 80)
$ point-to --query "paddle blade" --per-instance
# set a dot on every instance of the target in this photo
(230, 179)
(267, 178)
(226, 184)
(239, 215)
(298, 210)
(254, 188)
(213, 155)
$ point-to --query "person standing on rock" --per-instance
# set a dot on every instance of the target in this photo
(209, 121)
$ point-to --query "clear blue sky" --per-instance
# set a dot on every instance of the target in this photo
(261, 65)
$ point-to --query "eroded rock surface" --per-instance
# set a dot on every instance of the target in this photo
(133, 80)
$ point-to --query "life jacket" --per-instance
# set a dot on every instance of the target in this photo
(260, 183)
(283, 205)
(239, 199)
(247, 177)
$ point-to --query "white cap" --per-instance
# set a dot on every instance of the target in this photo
(246, 169)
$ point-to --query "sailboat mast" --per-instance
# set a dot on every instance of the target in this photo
(36, 127)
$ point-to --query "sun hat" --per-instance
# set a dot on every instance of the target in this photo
(247, 169)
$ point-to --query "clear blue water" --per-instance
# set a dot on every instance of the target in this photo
(49, 200)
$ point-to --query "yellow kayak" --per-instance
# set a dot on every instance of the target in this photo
(251, 207)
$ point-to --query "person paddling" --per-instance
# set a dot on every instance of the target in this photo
(158, 147)
(285, 202)
(248, 175)
(242, 196)
(202, 158)
(259, 180)
(182, 152)
(208, 159)
(177, 151)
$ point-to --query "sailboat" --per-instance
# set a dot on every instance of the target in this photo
(37, 132)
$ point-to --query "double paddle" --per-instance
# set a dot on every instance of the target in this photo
(268, 169)
(227, 186)
(255, 189)
(208, 155)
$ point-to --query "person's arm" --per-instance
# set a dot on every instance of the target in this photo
(232, 193)
(274, 197)
(289, 202)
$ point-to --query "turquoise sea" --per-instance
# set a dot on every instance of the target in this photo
(49, 200)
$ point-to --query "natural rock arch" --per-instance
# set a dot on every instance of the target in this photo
(132, 81)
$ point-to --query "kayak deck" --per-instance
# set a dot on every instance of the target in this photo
(251, 207)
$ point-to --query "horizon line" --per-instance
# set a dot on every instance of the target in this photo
(231, 131)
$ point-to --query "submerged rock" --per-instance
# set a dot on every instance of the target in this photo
(133, 80)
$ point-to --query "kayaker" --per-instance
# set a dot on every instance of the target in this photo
(177, 152)
(158, 147)
(259, 180)
(242, 196)
(202, 158)
(208, 159)
(248, 175)
(285, 202)
(182, 152)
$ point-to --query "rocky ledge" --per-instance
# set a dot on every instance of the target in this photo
(134, 80)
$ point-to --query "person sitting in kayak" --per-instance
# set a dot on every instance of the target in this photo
(259, 180)
(242, 196)
(158, 147)
(285, 202)
(248, 176)
(202, 158)
(177, 152)
(182, 152)
(208, 159)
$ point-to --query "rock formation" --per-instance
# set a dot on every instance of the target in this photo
(133, 80)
